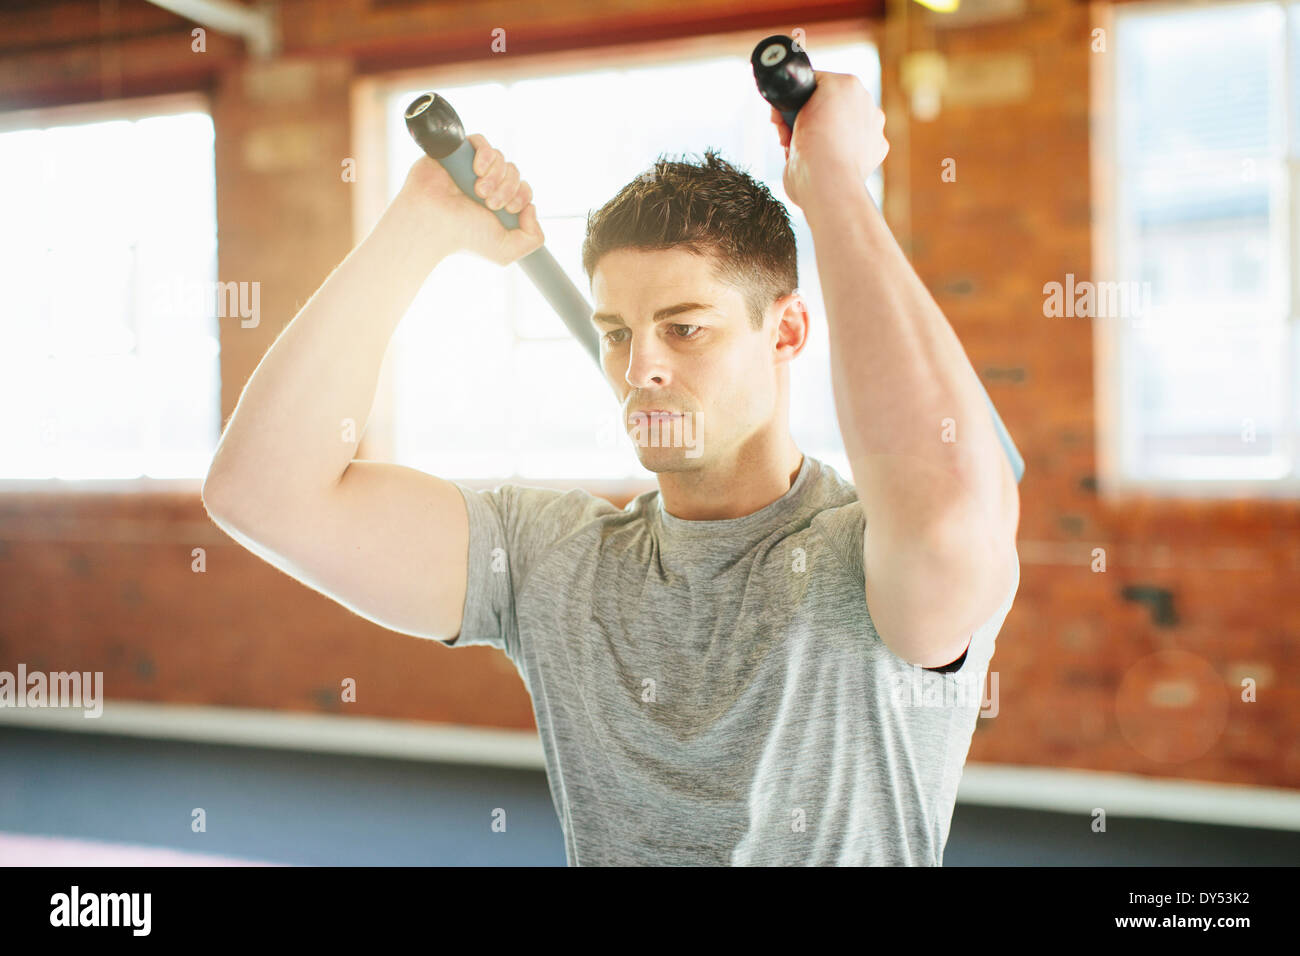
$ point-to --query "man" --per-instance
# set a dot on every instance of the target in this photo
(756, 663)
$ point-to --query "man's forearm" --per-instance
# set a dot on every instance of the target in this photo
(898, 372)
(287, 432)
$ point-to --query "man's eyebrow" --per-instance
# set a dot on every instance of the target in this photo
(667, 312)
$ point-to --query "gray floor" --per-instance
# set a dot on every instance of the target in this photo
(323, 809)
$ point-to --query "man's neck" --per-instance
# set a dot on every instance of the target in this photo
(749, 482)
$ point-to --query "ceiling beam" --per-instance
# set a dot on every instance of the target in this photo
(256, 24)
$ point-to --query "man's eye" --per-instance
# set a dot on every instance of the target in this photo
(612, 332)
(688, 336)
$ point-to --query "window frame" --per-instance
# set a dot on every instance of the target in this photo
(1116, 481)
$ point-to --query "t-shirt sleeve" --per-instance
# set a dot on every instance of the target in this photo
(844, 527)
(980, 651)
(511, 528)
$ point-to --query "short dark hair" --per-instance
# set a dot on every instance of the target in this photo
(708, 208)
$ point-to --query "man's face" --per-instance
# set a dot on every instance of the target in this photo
(699, 360)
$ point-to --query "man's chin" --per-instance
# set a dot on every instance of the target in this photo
(669, 459)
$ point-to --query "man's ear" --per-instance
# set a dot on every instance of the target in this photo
(792, 325)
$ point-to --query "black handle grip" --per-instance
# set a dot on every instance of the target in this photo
(784, 75)
(437, 130)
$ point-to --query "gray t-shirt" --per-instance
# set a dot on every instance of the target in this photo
(714, 692)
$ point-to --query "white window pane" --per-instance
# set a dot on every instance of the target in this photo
(89, 314)
(177, 305)
(673, 98)
(1200, 80)
(1208, 239)
(100, 216)
(451, 356)
(574, 181)
(25, 277)
(560, 423)
(178, 440)
(175, 178)
(1203, 219)
(96, 179)
(1208, 389)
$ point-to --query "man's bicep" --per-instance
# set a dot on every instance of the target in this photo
(385, 541)
(401, 547)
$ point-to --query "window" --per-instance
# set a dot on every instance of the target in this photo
(481, 363)
(109, 366)
(1204, 206)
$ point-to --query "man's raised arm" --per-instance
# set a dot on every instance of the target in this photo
(386, 541)
(936, 489)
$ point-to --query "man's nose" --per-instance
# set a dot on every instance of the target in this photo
(647, 363)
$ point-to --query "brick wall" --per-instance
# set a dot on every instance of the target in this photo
(1135, 669)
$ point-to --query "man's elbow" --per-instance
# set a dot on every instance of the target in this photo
(218, 496)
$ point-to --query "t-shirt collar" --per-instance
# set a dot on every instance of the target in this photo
(746, 529)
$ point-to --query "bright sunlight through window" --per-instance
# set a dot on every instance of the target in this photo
(108, 257)
(1206, 200)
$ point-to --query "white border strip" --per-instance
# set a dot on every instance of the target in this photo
(1129, 795)
(365, 736)
(999, 785)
